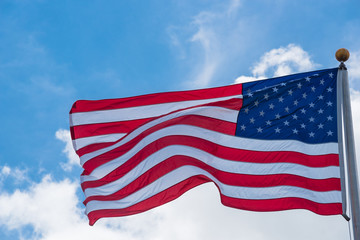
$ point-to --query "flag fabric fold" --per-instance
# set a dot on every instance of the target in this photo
(267, 145)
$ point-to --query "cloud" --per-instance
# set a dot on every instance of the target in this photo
(52, 209)
(355, 108)
(16, 174)
(280, 61)
(209, 42)
(284, 60)
(5, 171)
(354, 69)
(73, 159)
(233, 7)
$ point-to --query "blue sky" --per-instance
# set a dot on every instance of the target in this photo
(55, 52)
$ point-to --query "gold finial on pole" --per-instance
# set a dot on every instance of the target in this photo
(342, 55)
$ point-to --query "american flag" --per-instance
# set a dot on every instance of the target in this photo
(267, 145)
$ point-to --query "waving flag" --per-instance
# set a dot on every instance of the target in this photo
(268, 145)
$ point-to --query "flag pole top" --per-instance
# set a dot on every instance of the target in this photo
(342, 55)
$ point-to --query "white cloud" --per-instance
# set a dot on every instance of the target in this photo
(208, 40)
(354, 69)
(215, 41)
(16, 174)
(53, 209)
(5, 171)
(284, 60)
(355, 107)
(234, 6)
(64, 136)
(280, 61)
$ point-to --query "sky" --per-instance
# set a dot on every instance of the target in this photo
(53, 53)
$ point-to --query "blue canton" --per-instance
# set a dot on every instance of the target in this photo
(298, 107)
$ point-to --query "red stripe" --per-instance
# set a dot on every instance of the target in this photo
(156, 200)
(281, 204)
(196, 120)
(156, 98)
(91, 130)
(233, 179)
(216, 150)
(251, 205)
(193, 120)
(93, 147)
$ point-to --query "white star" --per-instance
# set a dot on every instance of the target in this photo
(296, 102)
(329, 89)
(243, 127)
(286, 123)
(281, 99)
(320, 111)
(321, 126)
(313, 88)
(290, 92)
(311, 134)
(303, 126)
(312, 105)
(246, 110)
(268, 122)
(262, 113)
(275, 89)
(287, 109)
(283, 84)
(308, 79)
(271, 106)
(304, 95)
(295, 131)
(252, 120)
(329, 133)
(322, 81)
(295, 117)
(250, 94)
(277, 116)
(266, 96)
(303, 111)
(259, 129)
(277, 130)
(311, 119)
(329, 118)
(256, 103)
(329, 104)
(299, 85)
(321, 97)
(331, 75)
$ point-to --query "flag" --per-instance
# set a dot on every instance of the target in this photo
(267, 145)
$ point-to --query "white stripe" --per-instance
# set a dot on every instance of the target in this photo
(220, 113)
(140, 112)
(185, 172)
(82, 142)
(217, 163)
(221, 164)
(223, 140)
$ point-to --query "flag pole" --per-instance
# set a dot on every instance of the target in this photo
(342, 55)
